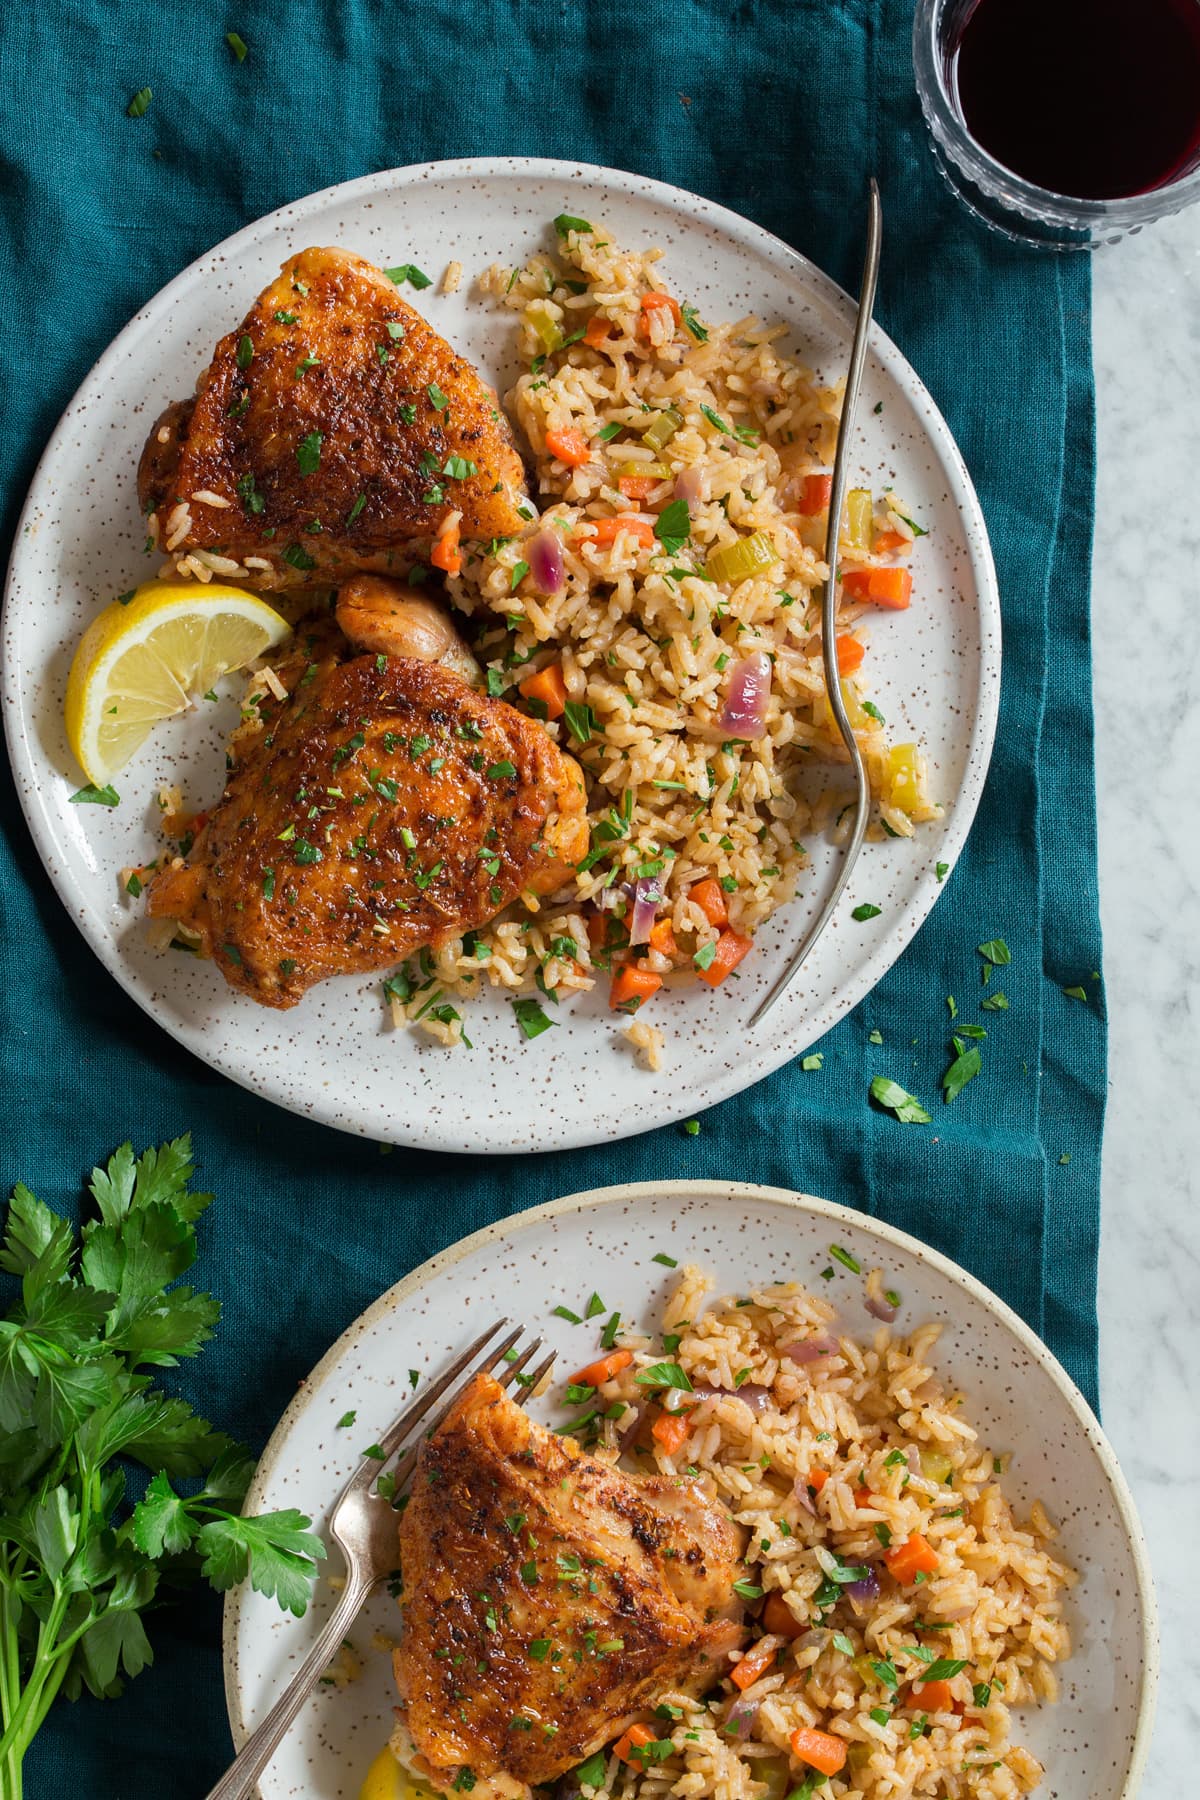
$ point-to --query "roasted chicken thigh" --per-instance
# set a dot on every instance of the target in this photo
(547, 1599)
(331, 428)
(384, 805)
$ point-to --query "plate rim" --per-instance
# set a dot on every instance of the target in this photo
(323, 1103)
(696, 1188)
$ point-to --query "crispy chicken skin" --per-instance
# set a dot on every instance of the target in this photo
(514, 1536)
(384, 805)
(332, 358)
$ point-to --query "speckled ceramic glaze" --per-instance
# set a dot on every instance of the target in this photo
(1016, 1395)
(935, 676)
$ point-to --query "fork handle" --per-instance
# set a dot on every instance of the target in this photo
(239, 1779)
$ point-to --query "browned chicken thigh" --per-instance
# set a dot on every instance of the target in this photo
(547, 1599)
(333, 427)
(384, 805)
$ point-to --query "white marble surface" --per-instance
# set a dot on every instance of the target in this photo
(1146, 615)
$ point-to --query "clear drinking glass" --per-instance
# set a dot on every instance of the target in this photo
(1005, 201)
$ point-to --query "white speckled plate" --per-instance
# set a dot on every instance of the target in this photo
(936, 676)
(1017, 1396)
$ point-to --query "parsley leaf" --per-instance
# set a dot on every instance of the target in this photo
(891, 1095)
(409, 272)
(530, 1017)
(673, 526)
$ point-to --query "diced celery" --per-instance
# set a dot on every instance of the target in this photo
(865, 1671)
(662, 428)
(860, 508)
(656, 470)
(904, 783)
(736, 562)
(775, 1771)
(859, 720)
(546, 329)
(935, 1464)
(858, 1755)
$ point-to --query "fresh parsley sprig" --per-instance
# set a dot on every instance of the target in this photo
(98, 1309)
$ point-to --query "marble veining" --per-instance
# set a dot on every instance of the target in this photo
(1146, 619)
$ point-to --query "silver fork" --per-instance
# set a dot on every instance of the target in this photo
(364, 1526)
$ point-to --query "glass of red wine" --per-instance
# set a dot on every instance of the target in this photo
(1063, 123)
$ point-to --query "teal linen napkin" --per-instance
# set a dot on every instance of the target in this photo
(779, 110)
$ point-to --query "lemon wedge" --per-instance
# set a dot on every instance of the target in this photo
(387, 1779)
(145, 660)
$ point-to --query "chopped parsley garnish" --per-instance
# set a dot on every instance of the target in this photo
(519, 571)
(564, 223)
(891, 1095)
(668, 1262)
(564, 1312)
(96, 796)
(245, 351)
(501, 771)
(866, 911)
(457, 468)
(691, 320)
(673, 526)
(997, 1002)
(844, 1257)
(539, 1649)
(964, 1068)
(437, 399)
(870, 708)
(810, 1064)
(308, 361)
(704, 956)
(138, 105)
(944, 1668)
(308, 452)
(237, 44)
(298, 557)
(608, 432)
(591, 1773)
(875, 1036)
(1076, 993)
(409, 272)
(306, 852)
(581, 722)
(664, 1375)
(692, 1127)
(748, 1590)
(996, 951)
(531, 1018)
(886, 1671)
(941, 870)
(346, 1419)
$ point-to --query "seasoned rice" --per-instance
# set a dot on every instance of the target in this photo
(647, 643)
(831, 1464)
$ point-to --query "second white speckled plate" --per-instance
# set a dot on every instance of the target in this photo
(1019, 1399)
(936, 676)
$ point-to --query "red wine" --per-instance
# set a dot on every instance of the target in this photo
(1098, 99)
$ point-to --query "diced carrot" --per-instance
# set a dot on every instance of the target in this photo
(756, 1662)
(709, 896)
(549, 687)
(882, 587)
(633, 1739)
(651, 303)
(632, 988)
(608, 530)
(816, 1479)
(731, 947)
(662, 938)
(863, 1497)
(570, 447)
(850, 653)
(638, 487)
(779, 1618)
(446, 554)
(819, 1749)
(911, 1558)
(934, 1696)
(891, 540)
(670, 1430)
(605, 1368)
(816, 494)
(598, 329)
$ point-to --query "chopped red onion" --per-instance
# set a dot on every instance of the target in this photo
(756, 1397)
(745, 711)
(801, 1495)
(881, 1309)
(740, 1719)
(816, 1636)
(543, 553)
(863, 1593)
(808, 1350)
(689, 485)
(647, 898)
(629, 1425)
